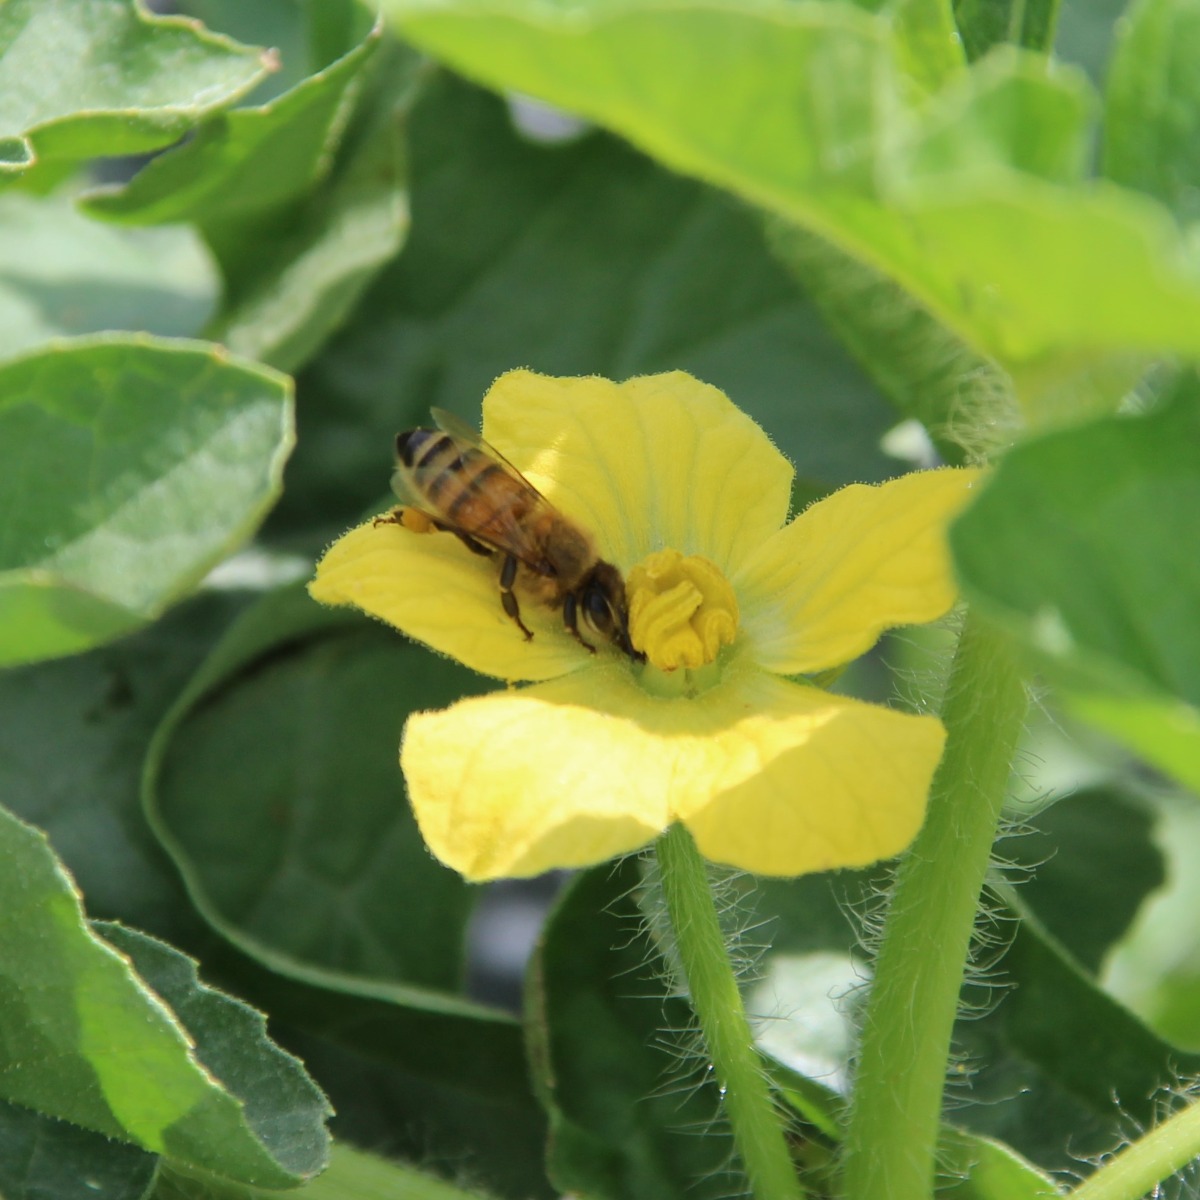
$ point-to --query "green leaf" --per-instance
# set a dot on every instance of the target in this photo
(72, 743)
(624, 1106)
(87, 1041)
(82, 78)
(130, 466)
(437, 1078)
(573, 259)
(300, 198)
(1092, 862)
(41, 1157)
(1004, 258)
(281, 1106)
(1084, 1067)
(293, 273)
(1104, 585)
(247, 782)
(930, 49)
(1156, 969)
(1152, 126)
(981, 1168)
(247, 160)
(929, 373)
(281, 24)
(987, 23)
(64, 275)
(352, 1175)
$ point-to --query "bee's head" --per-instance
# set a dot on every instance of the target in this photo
(602, 600)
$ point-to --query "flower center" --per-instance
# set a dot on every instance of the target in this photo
(682, 610)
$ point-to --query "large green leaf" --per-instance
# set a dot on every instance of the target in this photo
(63, 275)
(81, 78)
(1084, 546)
(1152, 126)
(624, 1105)
(274, 784)
(571, 259)
(128, 467)
(993, 247)
(41, 1157)
(86, 1040)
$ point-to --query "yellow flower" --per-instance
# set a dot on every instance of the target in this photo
(689, 499)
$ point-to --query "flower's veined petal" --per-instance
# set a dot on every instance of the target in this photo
(800, 780)
(520, 782)
(820, 591)
(437, 591)
(769, 775)
(657, 461)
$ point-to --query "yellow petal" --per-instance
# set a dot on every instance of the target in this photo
(661, 460)
(520, 782)
(437, 591)
(811, 781)
(821, 591)
(770, 776)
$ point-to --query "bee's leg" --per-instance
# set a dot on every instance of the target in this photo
(571, 622)
(508, 576)
(394, 517)
(468, 541)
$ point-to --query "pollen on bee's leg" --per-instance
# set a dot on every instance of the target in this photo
(682, 610)
(414, 520)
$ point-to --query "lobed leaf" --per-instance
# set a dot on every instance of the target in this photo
(130, 466)
(86, 1040)
(83, 78)
(249, 159)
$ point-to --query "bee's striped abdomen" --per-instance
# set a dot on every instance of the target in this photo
(461, 483)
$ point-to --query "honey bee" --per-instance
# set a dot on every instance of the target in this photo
(451, 478)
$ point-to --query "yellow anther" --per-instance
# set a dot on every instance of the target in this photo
(681, 610)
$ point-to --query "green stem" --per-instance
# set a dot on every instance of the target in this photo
(896, 1110)
(757, 1130)
(1139, 1167)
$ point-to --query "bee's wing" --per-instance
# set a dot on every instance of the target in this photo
(456, 427)
(507, 528)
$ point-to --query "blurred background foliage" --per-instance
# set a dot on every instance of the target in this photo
(229, 276)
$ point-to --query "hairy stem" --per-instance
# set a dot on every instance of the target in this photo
(897, 1104)
(757, 1129)
(1147, 1162)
